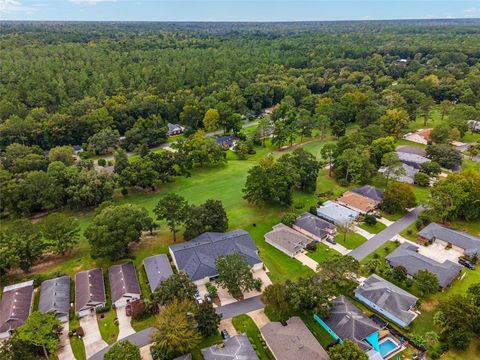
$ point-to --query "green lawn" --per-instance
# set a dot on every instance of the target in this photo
(107, 326)
(373, 229)
(197, 353)
(244, 324)
(76, 343)
(381, 252)
(322, 253)
(351, 240)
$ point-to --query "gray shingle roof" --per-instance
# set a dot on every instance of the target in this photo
(370, 192)
(197, 256)
(313, 224)
(16, 305)
(389, 297)
(236, 348)
(412, 160)
(470, 243)
(123, 280)
(292, 342)
(348, 322)
(172, 128)
(89, 288)
(287, 238)
(407, 256)
(55, 296)
(157, 269)
(411, 150)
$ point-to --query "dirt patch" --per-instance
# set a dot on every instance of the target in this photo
(429, 305)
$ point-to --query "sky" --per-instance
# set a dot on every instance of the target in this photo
(235, 10)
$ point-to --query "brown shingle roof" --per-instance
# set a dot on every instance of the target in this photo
(123, 280)
(89, 288)
(15, 306)
(357, 202)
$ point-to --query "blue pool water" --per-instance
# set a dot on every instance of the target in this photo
(386, 347)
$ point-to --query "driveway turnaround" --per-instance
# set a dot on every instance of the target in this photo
(92, 340)
(124, 323)
(382, 237)
(64, 351)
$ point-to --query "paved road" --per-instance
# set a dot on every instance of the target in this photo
(382, 237)
(142, 338)
(162, 146)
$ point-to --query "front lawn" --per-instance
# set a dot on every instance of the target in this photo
(350, 241)
(107, 326)
(76, 342)
(373, 229)
(322, 253)
(381, 252)
(245, 324)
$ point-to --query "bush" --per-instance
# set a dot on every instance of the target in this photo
(103, 309)
(124, 191)
(38, 279)
(313, 210)
(258, 284)
(79, 331)
(423, 219)
(312, 246)
(422, 179)
(370, 220)
(212, 290)
(102, 162)
(110, 163)
(289, 218)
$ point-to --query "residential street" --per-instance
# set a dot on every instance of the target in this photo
(140, 339)
(382, 237)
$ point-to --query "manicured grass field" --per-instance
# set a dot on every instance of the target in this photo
(381, 252)
(351, 240)
(373, 229)
(107, 326)
(322, 253)
(244, 324)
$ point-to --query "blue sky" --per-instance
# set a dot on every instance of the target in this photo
(235, 10)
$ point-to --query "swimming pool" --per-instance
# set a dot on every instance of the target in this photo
(387, 346)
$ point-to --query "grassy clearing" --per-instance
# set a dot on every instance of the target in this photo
(373, 229)
(244, 324)
(107, 326)
(322, 253)
(351, 240)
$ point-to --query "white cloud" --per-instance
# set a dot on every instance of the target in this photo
(91, 2)
(471, 10)
(10, 6)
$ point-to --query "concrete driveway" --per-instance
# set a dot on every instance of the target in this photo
(228, 325)
(305, 260)
(259, 318)
(362, 232)
(438, 252)
(64, 351)
(92, 340)
(124, 323)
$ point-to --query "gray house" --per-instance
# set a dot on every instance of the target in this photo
(411, 150)
(394, 303)
(287, 240)
(55, 297)
(89, 292)
(458, 240)
(157, 268)
(314, 227)
(123, 284)
(235, 348)
(15, 307)
(412, 160)
(197, 256)
(370, 192)
(174, 129)
(406, 255)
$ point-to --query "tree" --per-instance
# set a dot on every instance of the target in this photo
(209, 216)
(372, 265)
(114, 228)
(289, 218)
(430, 168)
(42, 330)
(426, 281)
(120, 161)
(174, 333)
(9, 257)
(65, 154)
(392, 166)
(394, 121)
(172, 208)
(474, 292)
(102, 141)
(398, 197)
(380, 147)
(399, 273)
(306, 166)
(276, 298)
(234, 273)
(13, 349)
(328, 153)
(445, 155)
(148, 131)
(87, 188)
(211, 120)
(431, 338)
(178, 286)
(60, 232)
(337, 271)
(338, 128)
(123, 350)
(440, 134)
(421, 179)
(347, 351)
(207, 319)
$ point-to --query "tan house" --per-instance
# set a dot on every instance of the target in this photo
(287, 240)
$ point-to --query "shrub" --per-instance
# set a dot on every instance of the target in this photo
(313, 210)
(79, 331)
(124, 191)
(312, 246)
(212, 290)
(103, 309)
(370, 220)
(102, 162)
(298, 205)
(38, 279)
(289, 218)
(110, 163)
(258, 284)
(422, 179)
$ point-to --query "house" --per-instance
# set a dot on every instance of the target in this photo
(407, 255)
(408, 175)
(293, 341)
(357, 202)
(15, 307)
(314, 227)
(458, 240)
(157, 269)
(287, 240)
(389, 300)
(411, 150)
(235, 348)
(123, 284)
(77, 149)
(89, 291)
(174, 129)
(227, 142)
(197, 256)
(474, 125)
(370, 192)
(460, 146)
(55, 297)
(337, 214)
(346, 322)
(421, 136)
(412, 160)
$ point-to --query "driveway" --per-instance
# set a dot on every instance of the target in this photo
(240, 307)
(145, 352)
(259, 318)
(305, 260)
(140, 339)
(124, 323)
(362, 232)
(382, 237)
(228, 325)
(64, 351)
(92, 340)
(438, 253)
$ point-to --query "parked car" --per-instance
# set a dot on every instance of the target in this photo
(377, 215)
(208, 298)
(466, 263)
(331, 240)
(225, 335)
